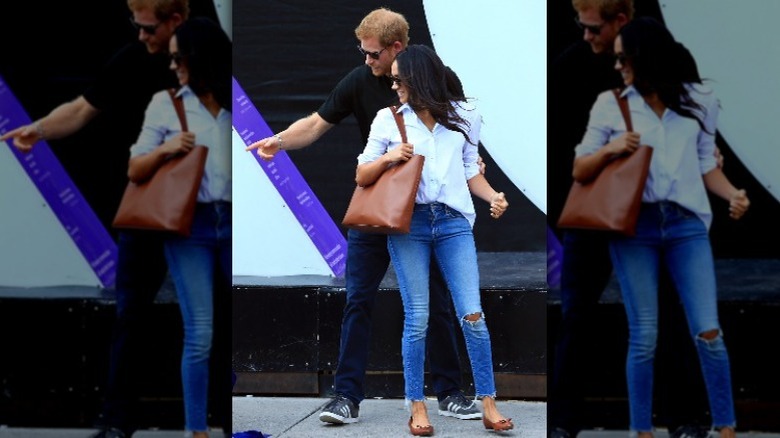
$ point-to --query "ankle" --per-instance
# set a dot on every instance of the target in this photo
(727, 432)
(490, 410)
(419, 408)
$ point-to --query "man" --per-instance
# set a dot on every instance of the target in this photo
(576, 77)
(122, 92)
(382, 34)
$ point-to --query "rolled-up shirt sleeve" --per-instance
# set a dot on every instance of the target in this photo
(379, 137)
(157, 122)
(601, 124)
(705, 145)
(470, 148)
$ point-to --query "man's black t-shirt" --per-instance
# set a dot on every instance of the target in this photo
(359, 93)
(125, 86)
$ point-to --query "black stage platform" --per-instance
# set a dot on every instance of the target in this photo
(749, 306)
(55, 349)
(286, 331)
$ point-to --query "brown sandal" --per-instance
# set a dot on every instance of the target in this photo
(499, 425)
(420, 430)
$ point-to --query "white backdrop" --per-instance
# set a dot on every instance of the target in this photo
(733, 45)
(498, 50)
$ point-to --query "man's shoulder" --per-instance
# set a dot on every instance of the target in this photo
(130, 53)
(359, 81)
(358, 75)
(575, 53)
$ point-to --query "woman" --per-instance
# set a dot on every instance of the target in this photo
(445, 129)
(676, 115)
(201, 57)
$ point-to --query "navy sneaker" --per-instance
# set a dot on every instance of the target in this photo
(460, 407)
(690, 431)
(559, 433)
(340, 410)
(109, 432)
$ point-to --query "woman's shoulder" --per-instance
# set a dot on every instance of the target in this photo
(609, 93)
(607, 98)
(161, 97)
(385, 115)
(387, 112)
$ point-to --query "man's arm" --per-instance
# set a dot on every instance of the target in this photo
(300, 134)
(61, 122)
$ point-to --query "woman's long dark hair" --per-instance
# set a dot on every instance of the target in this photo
(661, 65)
(432, 86)
(207, 50)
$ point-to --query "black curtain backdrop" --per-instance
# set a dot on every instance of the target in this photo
(753, 236)
(287, 56)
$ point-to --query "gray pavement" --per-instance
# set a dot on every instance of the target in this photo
(292, 417)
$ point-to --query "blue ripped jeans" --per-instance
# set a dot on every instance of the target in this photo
(195, 263)
(442, 231)
(671, 235)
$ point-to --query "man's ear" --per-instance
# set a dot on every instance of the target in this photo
(398, 47)
(176, 19)
(621, 19)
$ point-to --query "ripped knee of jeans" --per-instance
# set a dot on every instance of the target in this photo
(473, 318)
(709, 336)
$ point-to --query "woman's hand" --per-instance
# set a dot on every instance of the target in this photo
(626, 143)
(738, 204)
(402, 152)
(181, 142)
(498, 205)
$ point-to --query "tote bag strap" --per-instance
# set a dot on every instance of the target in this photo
(623, 104)
(399, 120)
(179, 105)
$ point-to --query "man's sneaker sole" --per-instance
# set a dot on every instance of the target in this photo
(330, 417)
(474, 416)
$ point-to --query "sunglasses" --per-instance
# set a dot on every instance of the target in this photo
(150, 29)
(373, 55)
(177, 58)
(595, 29)
(621, 58)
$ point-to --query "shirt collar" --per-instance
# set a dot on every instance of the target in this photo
(184, 90)
(628, 90)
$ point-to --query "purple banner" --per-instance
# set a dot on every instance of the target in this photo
(554, 259)
(76, 216)
(283, 174)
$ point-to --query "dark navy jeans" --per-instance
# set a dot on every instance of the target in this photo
(585, 271)
(140, 272)
(367, 263)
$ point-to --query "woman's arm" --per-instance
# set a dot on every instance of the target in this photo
(368, 173)
(480, 188)
(587, 167)
(142, 167)
(717, 183)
